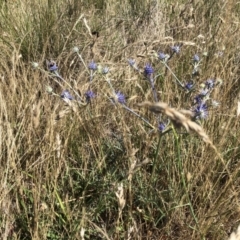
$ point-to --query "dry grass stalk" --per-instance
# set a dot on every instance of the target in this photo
(121, 200)
(40, 134)
(36, 114)
(235, 235)
(179, 118)
(135, 166)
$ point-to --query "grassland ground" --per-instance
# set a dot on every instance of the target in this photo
(81, 158)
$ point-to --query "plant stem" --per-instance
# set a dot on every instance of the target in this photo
(178, 81)
(180, 166)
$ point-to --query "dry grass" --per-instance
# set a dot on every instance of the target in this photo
(98, 171)
(235, 235)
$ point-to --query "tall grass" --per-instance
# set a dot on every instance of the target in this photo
(99, 168)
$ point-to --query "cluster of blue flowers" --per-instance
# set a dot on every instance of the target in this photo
(66, 95)
(93, 68)
(200, 103)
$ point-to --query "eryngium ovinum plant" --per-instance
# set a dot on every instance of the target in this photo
(167, 118)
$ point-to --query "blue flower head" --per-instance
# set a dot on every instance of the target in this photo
(202, 96)
(131, 62)
(92, 66)
(210, 83)
(189, 86)
(66, 95)
(176, 49)
(200, 111)
(148, 70)
(161, 127)
(198, 99)
(196, 58)
(162, 56)
(52, 66)
(89, 95)
(120, 97)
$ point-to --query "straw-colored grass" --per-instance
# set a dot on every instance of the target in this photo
(71, 169)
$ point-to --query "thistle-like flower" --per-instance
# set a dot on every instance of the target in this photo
(198, 99)
(131, 62)
(92, 66)
(120, 97)
(162, 126)
(196, 58)
(189, 86)
(176, 49)
(162, 56)
(89, 95)
(66, 95)
(52, 66)
(148, 70)
(200, 111)
(210, 83)
(202, 96)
